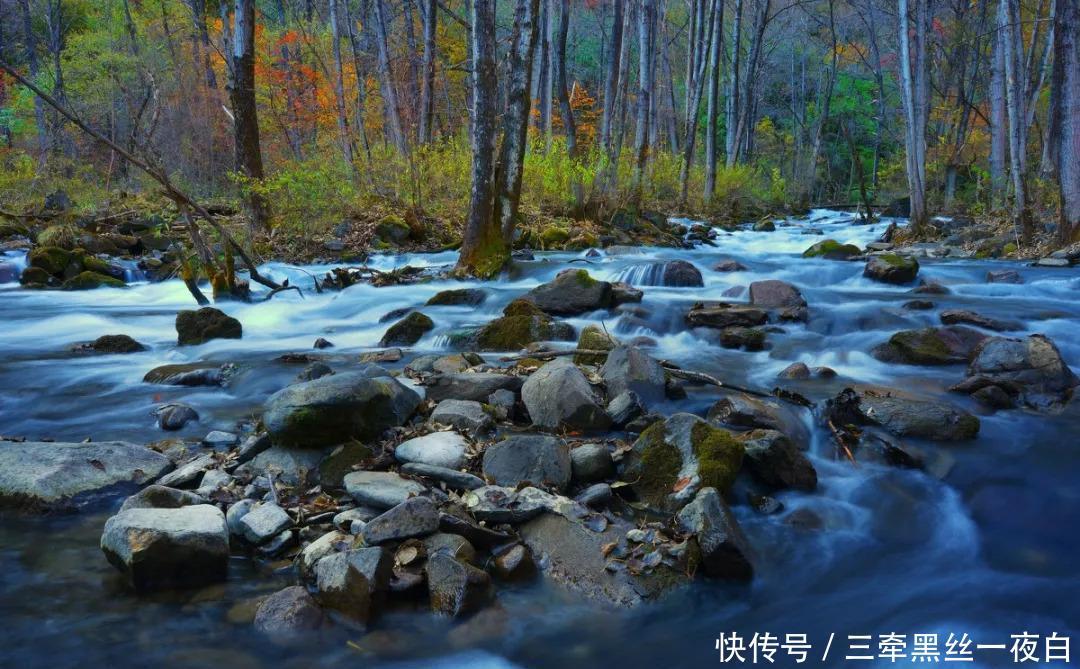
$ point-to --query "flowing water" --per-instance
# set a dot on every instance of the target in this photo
(990, 549)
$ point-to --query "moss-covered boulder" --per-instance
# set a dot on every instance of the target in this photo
(948, 345)
(571, 293)
(118, 343)
(891, 268)
(197, 327)
(35, 277)
(553, 237)
(408, 330)
(511, 333)
(335, 409)
(673, 459)
(392, 229)
(917, 418)
(458, 297)
(61, 235)
(830, 249)
(593, 338)
(90, 281)
(52, 259)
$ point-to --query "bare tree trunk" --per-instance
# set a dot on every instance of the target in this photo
(1067, 50)
(427, 89)
(1015, 99)
(247, 152)
(1050, 141)
(810, 174)
(339, 88)
(386, 82)
(566, 112)
(915, 92)
(646, 14)
(516, 120)
(484, 251)
(998, 122)
(712, 114)
(611, 79)
(690, 130)
(198, 18)
(361, 79)
(30, 40)
(547, 79)
(734, 84)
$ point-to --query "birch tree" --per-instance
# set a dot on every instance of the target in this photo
(915, 92)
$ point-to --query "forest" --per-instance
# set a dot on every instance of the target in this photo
(557, 334)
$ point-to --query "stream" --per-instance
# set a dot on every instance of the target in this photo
(988, 545)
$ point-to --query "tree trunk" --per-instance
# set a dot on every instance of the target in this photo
(339, 88)
(566, 112)
(690, 130)
(646, 14)
(361, 80)
(998, 123)
(30, 40)
(915, 93)
(611, 79)
(484, 251)
(1015, 103)
(247, 152)
(1067, 50)
(427, 89)
(546, 84)
(386, 82)
(712, 114)
(734, 84)
(516, 120)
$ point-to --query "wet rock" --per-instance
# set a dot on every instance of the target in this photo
(327, 544)
(188, 473)
(292, 466)
(573, 557)
(523, 323)
(723, 315)
(408, 330)
(451, 477)
(514, 563)
(163, 548)
(189, 374)
(624, 293)
(439, 449)
(795, 371)
(456, 546)
(592, 338)
(334, 409)
(458, 297)
(591, 462)
(831, 249)
(729, 266)
(198, 327)
(1053, 262)
(287, 614)
(35, 277)
(537, 459)
(725, 552)
(994, 397)
(776, 462)
(930, 288)
(673, 459)
(470, 386)
(596, 495)
(750, 339)
(322, 343)
(629, 369)
(91, 281)
(775, 294)
(236, 513)
(964, 317)
(918, 305)
(415, 517)
(212, 481)
(571, 293)
(743, 411)
(764, 226)
(381, 490)
(315, 370)
(465, 415)
(921, 419)
(263, 522)
(354, 582)
(456, 589)
(161, 497)
(120, 343)
(173, 417)
(219, 439)
(625, 408)
(948, 345)
(1004, 276)
(497, 504)
(559, 396)
(1032, 365)
(672, 273)
(891, 268)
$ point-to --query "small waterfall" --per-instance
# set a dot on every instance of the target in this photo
(12, 264)
(646, 274)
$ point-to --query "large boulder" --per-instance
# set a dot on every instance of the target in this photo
(48, 475)
(537, 459)
(408, 330)
(1031, 368)
(891, 268)
(334, 409)
(559, 396)
(917, 418)
(725, 552)
(947, 345)
(165, 548)
(197, 327)
(745, 412)
(628, 368)
(572, 292)
(724, 315)
(575, 558)
(671, 273)
(780, 295)
(831, 249)
(673, 459)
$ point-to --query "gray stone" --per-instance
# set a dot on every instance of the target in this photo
(293, 466)
(776, 462)
(921, 419)
(964, 317)
(173, 417)
(439, 449)
(1004, 276)
(745, 411)
(218, 438)
(571, 293)
(597, 494)
(1032, 365)
(537, 459)
(189, 374)
(264, 522)
(415, 517)
(722, 315)
(559, 396)
(353, 582)
(470, 386)
(625, 408)
(315, 370)
(236, 513)
(465, 415)
(456, 546)
(381, 490)
(214, 480)
(514, 563)
(56, 474)
(725, 552)
(457, 589)
(287, 614)
(187, 474)
(160, 497)
(451, 477)
(947, 345)
(327, 544)
(162, 548)
(1053, 262)
(337, 408)
(891, 268)
(795, 371)
(497, 504)
(592, 462)
(630, 369)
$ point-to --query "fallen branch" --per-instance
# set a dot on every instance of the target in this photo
(839, 438)
(281, 289)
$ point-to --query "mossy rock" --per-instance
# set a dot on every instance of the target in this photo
(891, 268)
(52, 259)
(950, 345)
(553, 237)
(12, 229)
(511, 333)
(582, 242)
(521, 307)
(831, 249)
(34, 277)
(1009, 249)
(392, 229)
(673, 459)
(61, 235)
(197, 327)
(94, 264)
(408, 330)
(90, 281)
(764, 226)
(593, 338)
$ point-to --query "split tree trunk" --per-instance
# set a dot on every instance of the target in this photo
(247, 152)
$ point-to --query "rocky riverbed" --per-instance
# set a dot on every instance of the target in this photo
(609, 455)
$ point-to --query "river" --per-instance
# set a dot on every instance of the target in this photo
(990, 550)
